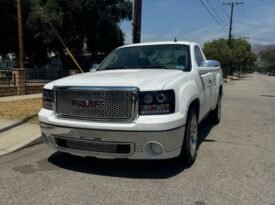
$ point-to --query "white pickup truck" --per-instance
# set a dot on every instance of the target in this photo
(144, 101)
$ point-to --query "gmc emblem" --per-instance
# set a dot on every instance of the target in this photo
(92, 104)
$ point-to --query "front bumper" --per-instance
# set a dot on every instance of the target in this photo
(139, 142)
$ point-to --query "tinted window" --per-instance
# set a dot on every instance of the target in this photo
(176, 57)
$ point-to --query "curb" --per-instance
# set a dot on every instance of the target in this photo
(35, 142)
(17, 136)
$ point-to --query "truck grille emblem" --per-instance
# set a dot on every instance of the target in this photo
(92, 104)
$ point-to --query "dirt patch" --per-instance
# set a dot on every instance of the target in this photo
(21, 110)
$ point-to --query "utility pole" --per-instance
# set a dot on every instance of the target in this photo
(232, 4)
(20, 34)
(137, 10)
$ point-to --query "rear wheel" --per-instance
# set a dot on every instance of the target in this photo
(190, 143)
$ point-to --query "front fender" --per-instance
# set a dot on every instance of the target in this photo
(186, 91)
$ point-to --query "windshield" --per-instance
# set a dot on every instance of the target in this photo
(173, 57)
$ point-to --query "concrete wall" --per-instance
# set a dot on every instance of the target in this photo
(8, 91)
(12, 90)
(33, 89)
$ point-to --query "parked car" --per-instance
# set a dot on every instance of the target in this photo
(144, 101)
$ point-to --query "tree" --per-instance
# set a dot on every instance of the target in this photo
(236, 57)
(242, 55)
(94, 22)
(8, 31)
(35, 49)
(268, 57)
(251, 62)
(219, 50)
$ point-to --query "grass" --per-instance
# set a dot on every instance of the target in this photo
(21, 110)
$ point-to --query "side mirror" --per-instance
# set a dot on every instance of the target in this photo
(211, 63)
(209, 66)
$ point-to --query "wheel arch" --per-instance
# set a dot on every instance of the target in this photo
(196, 105)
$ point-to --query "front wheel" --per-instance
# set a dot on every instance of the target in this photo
(190, 143)
(216, 113)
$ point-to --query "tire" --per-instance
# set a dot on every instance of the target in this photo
(215, 115)
(190, 143)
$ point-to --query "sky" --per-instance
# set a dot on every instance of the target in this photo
(189, 20)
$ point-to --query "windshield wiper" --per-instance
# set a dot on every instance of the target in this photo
(115, 67)
(155, 66)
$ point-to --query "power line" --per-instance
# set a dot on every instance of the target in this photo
(215, 10)
(221, 9)
(254, 25)
(242, 17)
(262, 39)
(210, 13)
(257, 39)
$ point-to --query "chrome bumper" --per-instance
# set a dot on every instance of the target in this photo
(137, 141)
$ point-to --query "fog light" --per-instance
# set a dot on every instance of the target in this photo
(153, 148)
(156, 148)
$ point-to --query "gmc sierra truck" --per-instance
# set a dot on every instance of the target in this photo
(144, 101)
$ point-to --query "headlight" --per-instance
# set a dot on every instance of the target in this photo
(161, 98)
(47, 99)
(157, 102)
(148, 98)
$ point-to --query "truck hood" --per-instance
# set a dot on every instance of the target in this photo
(144, 79)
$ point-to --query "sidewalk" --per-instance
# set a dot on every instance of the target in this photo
(15, 135)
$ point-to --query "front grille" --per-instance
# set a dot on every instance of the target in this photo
(95, 104)
(93, 146)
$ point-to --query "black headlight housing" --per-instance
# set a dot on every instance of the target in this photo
(48, 99)
(157, 102)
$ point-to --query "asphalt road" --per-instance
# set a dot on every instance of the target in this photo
(235, 164)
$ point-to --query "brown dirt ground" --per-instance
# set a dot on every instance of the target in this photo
(26, 110)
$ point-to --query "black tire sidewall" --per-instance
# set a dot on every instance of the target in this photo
(215, 114)
(186, 153)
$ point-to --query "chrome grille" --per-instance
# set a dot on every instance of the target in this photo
(93, 146)
(118, 104)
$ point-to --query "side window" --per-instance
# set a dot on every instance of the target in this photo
(198, 56)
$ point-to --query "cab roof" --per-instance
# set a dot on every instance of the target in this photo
(160, 43)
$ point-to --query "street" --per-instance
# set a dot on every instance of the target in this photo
(235, 164)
